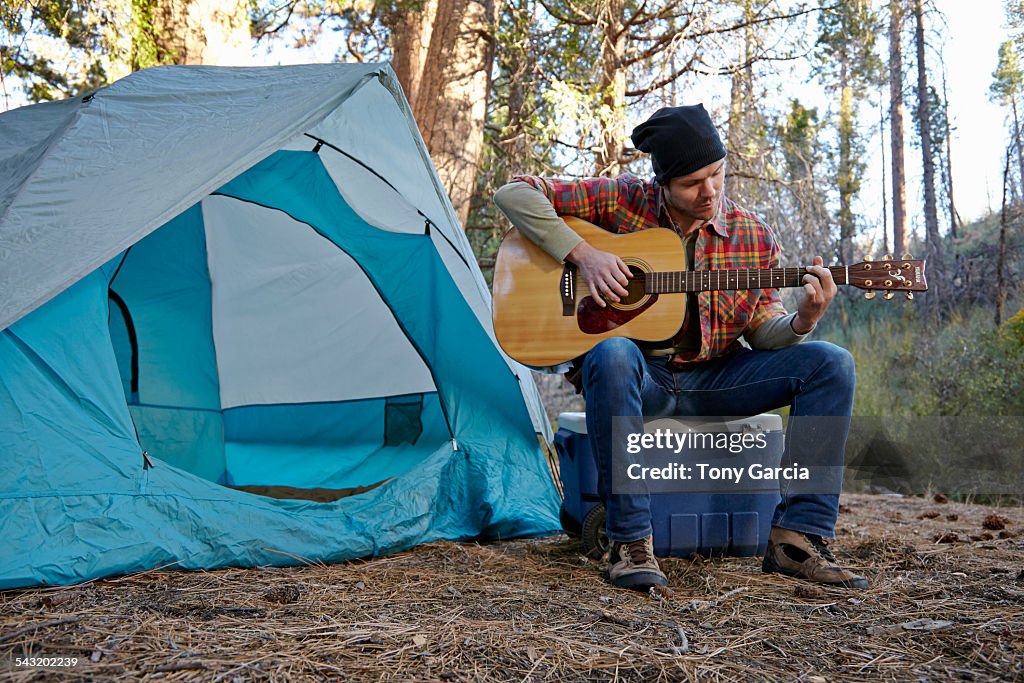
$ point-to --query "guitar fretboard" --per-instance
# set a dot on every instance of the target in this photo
(739, 278)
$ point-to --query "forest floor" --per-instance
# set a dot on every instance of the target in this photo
(946, 602)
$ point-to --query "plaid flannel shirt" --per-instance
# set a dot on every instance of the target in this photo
(735, 238)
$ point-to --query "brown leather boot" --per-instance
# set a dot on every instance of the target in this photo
(633, 565)
(806, 557)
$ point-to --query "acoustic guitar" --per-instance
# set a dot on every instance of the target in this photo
(544, 314)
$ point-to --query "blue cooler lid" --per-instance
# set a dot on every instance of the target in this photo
(765, 422)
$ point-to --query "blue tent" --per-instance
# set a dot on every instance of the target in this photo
(219, 283)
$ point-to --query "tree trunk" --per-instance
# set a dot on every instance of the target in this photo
(899, 181)
(1016, 137)
(885, 206)
(737, 124)
(518, 63)
(611, 24)
(741, 167)
(444, 67)
(1001, 261)
(846, 180)
(410, 39)
(928, 162)
(954, 217)
(197, 32)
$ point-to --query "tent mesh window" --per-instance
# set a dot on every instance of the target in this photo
(402, 421)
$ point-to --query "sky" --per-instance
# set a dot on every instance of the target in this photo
(976, 29)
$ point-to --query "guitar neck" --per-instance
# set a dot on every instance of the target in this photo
(740, 278)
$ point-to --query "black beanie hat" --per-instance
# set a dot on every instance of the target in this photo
(680, 140)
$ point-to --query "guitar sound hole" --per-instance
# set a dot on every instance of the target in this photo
(635, 288)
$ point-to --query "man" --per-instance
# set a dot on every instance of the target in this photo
(704, 370)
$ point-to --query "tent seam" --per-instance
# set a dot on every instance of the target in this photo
(219, 179)
(46, 153)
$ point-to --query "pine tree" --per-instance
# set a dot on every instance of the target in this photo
(1006, 88)
(849, 66)
(899, 176)
(924, 121)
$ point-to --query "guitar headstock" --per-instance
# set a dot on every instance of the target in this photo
(889, 275)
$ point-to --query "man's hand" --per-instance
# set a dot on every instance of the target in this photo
(819, 290)
(605, 273)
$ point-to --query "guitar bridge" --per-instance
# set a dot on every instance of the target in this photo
(567, 286)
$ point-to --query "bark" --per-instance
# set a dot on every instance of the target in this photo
(737, 105)
(519, 63)
(200, 32)
(741, 104)
(454, 48)
(1016, 137)
(899, 178)
(927, 161)
(954, 217)
(411, 32)
(885, 206)
(1001, 261)
(846, 180)
(611, 24)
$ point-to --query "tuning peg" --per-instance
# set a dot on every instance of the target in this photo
(887, 257)
(907, 256)
(910, 296)
(870, 295)
(888, 295)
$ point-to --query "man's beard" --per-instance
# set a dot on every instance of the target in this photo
(703, 212)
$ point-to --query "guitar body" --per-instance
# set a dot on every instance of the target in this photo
(544, 314)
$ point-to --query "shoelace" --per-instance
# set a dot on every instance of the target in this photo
(819, 545)
(637, 551)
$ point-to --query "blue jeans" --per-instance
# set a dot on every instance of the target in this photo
(813, 378)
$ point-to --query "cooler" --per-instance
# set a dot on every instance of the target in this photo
(684, 523)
